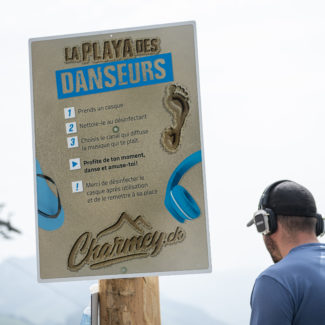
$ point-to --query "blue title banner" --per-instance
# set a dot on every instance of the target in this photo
(99, 78)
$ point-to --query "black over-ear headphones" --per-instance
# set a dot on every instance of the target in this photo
(266, 220)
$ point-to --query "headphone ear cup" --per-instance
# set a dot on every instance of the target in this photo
(319, 225)
(184, 203)
(172, 208)
(273, 224)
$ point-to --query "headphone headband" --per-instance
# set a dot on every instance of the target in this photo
(178, 200)
(182, 168)
(265, 218)
(265, 196)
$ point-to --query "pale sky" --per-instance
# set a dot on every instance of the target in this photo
(262, 82)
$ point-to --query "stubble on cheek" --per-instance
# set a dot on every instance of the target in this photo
(273, 249)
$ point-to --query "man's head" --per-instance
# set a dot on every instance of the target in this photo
(287, 217)
(291, 232)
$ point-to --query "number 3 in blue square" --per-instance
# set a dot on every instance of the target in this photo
(71, 127)
(72, 142)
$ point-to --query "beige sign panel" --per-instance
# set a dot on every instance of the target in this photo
(118, 154)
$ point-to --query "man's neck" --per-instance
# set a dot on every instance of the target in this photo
(286, 245)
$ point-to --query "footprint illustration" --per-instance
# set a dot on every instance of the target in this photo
(176, 101)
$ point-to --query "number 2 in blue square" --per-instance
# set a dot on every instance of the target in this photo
(71, 127)
(69, 112)
(72, 142)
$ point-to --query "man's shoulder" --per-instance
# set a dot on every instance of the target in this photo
(291, 285)
(275, 273)
(300, 261)
(283, 269)
(276, 270)
(274, 284)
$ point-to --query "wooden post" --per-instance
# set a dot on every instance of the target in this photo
(129, 301)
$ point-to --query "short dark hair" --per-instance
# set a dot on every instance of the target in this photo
(294, 224)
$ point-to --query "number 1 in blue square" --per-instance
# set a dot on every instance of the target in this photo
(69, 112)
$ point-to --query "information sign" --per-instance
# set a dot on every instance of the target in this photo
(118, 154)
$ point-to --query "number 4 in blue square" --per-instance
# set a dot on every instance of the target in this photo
(72, 142)
(69, 112)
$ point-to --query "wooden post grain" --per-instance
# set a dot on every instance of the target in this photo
(129, 301)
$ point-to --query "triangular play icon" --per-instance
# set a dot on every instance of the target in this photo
(74, 164)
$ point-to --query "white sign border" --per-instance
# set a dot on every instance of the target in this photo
(129, 275)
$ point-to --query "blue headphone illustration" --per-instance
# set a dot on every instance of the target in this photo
(178, 200)
(50, 211)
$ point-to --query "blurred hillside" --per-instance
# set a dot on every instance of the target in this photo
(24, 301)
